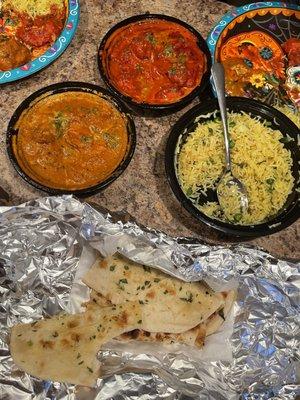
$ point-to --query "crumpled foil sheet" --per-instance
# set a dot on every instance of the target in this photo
(40, 244)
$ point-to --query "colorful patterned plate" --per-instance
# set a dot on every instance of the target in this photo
(259, 45)
(52, 53)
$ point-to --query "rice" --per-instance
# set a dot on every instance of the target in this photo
(293, 115)
(33, 7)
(259, 160)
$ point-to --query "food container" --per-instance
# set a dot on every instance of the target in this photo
(188, 122)
(60, 88)
(141, 107)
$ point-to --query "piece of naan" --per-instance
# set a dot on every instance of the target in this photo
(64, 348)
(168, 304)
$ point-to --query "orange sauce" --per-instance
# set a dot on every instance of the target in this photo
(154, 61)
(70, 140)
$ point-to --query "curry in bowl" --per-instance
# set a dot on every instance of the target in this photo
(70, 140)
(28, 28)
(153, 61)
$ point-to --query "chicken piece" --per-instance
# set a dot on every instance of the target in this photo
(12, 53)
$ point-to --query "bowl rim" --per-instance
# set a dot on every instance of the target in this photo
(202, 44)
(218, 28)
(261, 229)
(52, 53)
(62, 87)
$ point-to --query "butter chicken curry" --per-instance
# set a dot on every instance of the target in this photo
(70, 140)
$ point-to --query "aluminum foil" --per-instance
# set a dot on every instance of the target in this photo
(41, 244)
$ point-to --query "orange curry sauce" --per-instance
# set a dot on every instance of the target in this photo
(70, 140)
(154, 61)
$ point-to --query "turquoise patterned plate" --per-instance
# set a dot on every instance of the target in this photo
(52, 53)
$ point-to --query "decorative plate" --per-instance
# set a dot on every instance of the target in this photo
(259, 46)
(58, 47)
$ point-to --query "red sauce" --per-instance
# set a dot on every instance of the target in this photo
(154, 61)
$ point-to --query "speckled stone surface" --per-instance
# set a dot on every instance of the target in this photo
(143, 189)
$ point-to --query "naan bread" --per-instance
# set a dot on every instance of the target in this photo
(193, 337)
(168, 304)
(64, 348)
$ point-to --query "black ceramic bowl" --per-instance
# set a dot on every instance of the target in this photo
(12, 135)
(152, 110)
(188, 122)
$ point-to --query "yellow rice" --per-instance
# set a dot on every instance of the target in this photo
(259, 160)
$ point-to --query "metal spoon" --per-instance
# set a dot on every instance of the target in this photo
(227, 177)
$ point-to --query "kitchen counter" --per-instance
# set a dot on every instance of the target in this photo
(142, 190)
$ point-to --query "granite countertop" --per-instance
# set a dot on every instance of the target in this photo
(142, 190)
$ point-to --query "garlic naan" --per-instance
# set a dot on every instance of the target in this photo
(168, 304)
(64, 348)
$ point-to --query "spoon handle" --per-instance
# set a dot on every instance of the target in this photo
(218, 75)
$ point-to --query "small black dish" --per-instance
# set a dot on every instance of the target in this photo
(12, 135)
(152, 110)
(188, 122)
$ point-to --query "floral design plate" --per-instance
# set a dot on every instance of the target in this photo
(52, 53)
(259, 46)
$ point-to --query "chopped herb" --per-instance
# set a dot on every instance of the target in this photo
(98, 328)
(156, 280)
(126, 267)
(147, 283)
(86, 139)
(150, 37)
(206, 292)
(81, 362)
(121, 283)
(139, 68)
(237, 217)
(55, 334)
(270, 181)
(9, 22)
(210, 130)
(180, 288)
(33, 323)
(231, 143)
(78, 356)
(92, 337)
(140, 321)
(189, 298)
(182, 58)
(90, 370)
(138, 288)
(20, 335)
(231, 124)
(114, 308)
(29, 343)
(168, 50)
(172, 70)
(147, 269)
(112, 267)
(284, 140)
(141, 302)
(165, 292)
(143, 287)
(189, 192)
(60, 123)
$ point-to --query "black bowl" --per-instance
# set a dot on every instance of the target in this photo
(152, 110)
(12, 135)
(188, 122)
